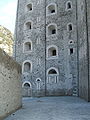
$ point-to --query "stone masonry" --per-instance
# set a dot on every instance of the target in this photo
(10, 85)
(47, 45)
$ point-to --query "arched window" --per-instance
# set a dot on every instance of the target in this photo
(28, 26)
(52, 71)
(69, 5)
(29, 7)
(26, 85)
(27, 46)
(26, 89)
(52, 51)
(70, 27)
(27, 67)
(52, 29)
(51, 9)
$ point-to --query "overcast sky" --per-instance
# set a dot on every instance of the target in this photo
(8, 13)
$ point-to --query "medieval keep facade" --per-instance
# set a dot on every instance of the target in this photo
(51, 44)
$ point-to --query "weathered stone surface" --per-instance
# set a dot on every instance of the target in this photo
(65, 63)
(53, 108)
(10, 85)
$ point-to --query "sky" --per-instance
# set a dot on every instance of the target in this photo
(8, 14)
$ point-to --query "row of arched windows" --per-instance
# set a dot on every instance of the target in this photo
(51, 72)
(27, 67)
(52, 53)
(52, 50)
(51, 28)
(51, 8)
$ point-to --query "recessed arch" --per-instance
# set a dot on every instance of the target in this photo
(28, 25)
(29, 7)
(27, 89)
(68, 5)
(51, 9)
(51, 29)
(26, 83)
(38, 83)
(27, 66)
(52, 75)
(52, 51)
(27, 46)
(38, 80)
(52, 71)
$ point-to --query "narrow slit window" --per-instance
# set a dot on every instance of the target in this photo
(71, 51)
(70, 28)
(54, 53)
(69, 6)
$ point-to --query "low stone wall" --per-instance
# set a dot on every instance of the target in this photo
(10, 85)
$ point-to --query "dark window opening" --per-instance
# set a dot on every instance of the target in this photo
(71, 51)
(38, 80)
(71, 41)
(26, 85)
(27, 46)
(70, 27)
(69, 6)
(53, 11)
(54, 53)
(30, 9)
(30, 26)
(54, 31)
(52, 72)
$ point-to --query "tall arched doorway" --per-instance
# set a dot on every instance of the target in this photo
(52, 75)
(27, 89)
(52, 81)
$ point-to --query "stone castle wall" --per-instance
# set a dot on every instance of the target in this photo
(65, 64)
(83, 48)
(10, 85)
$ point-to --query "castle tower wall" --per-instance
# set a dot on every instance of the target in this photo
(83, 48)
(46, 47)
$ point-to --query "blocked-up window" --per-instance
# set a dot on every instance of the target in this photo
(38, 82)
(27, 67)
